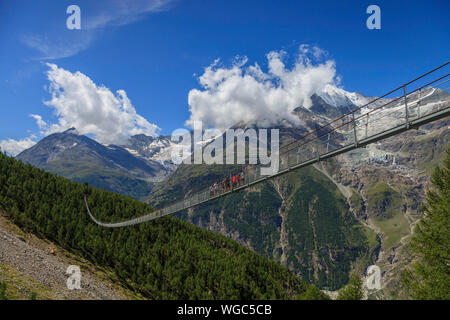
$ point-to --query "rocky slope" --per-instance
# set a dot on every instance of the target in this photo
(32, 266)
(388, 181)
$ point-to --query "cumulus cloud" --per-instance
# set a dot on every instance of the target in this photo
(14, 147)
(230, 95)
(90, 108)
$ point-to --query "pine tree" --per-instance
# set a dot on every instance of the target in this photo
(353, 290)
(3, 291)
(430, 277)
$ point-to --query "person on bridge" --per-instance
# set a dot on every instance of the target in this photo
(227, 183)
(215, 188)
(224, 185)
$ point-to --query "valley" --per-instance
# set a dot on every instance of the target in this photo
(323, 222)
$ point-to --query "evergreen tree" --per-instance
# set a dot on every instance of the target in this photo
(313, 293)
(162, 259)
(3, 291)
(353, 290)
(430, 276)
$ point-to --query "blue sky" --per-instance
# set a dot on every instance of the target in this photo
(155, 50)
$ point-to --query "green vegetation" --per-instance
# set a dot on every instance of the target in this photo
(383, 200)
(312, 293)
(353, 290)
(19, 286)
(430, 277)
(393, 228)
(100, 177)
(164, 259)
(323, 237)
(385, 207)
(357, 203)
(3, 287)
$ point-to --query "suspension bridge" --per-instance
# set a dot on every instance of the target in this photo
(420, 101)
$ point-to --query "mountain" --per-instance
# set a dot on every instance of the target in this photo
(328, 220)
(341, 99)
(82, 159)
(162, 259)
(335, 217)
(156, 149)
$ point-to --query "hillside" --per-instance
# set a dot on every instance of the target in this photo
(36, 268)
(301, 221)
(341, 215)
(164, 259)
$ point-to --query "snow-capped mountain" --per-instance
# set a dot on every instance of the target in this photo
(342, 99)
(83, 159)
(157, 149)
(339, 98)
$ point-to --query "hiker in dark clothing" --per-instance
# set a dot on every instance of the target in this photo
(224, 185)
(227, 183)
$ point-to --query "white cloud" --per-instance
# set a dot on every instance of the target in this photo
(78, 102)
(122, 12)
(238, 93)
(60, 43)
(58, 47)
(14, 147)
(41, 123)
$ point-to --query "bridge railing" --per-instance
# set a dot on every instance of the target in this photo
(416, 99)
(422, 96)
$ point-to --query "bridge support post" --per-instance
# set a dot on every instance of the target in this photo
(367, 123)
(418, 103)
(406, 108)
(354, 130)
(328, 141)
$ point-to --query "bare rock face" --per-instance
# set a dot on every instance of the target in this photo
(391, 179)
